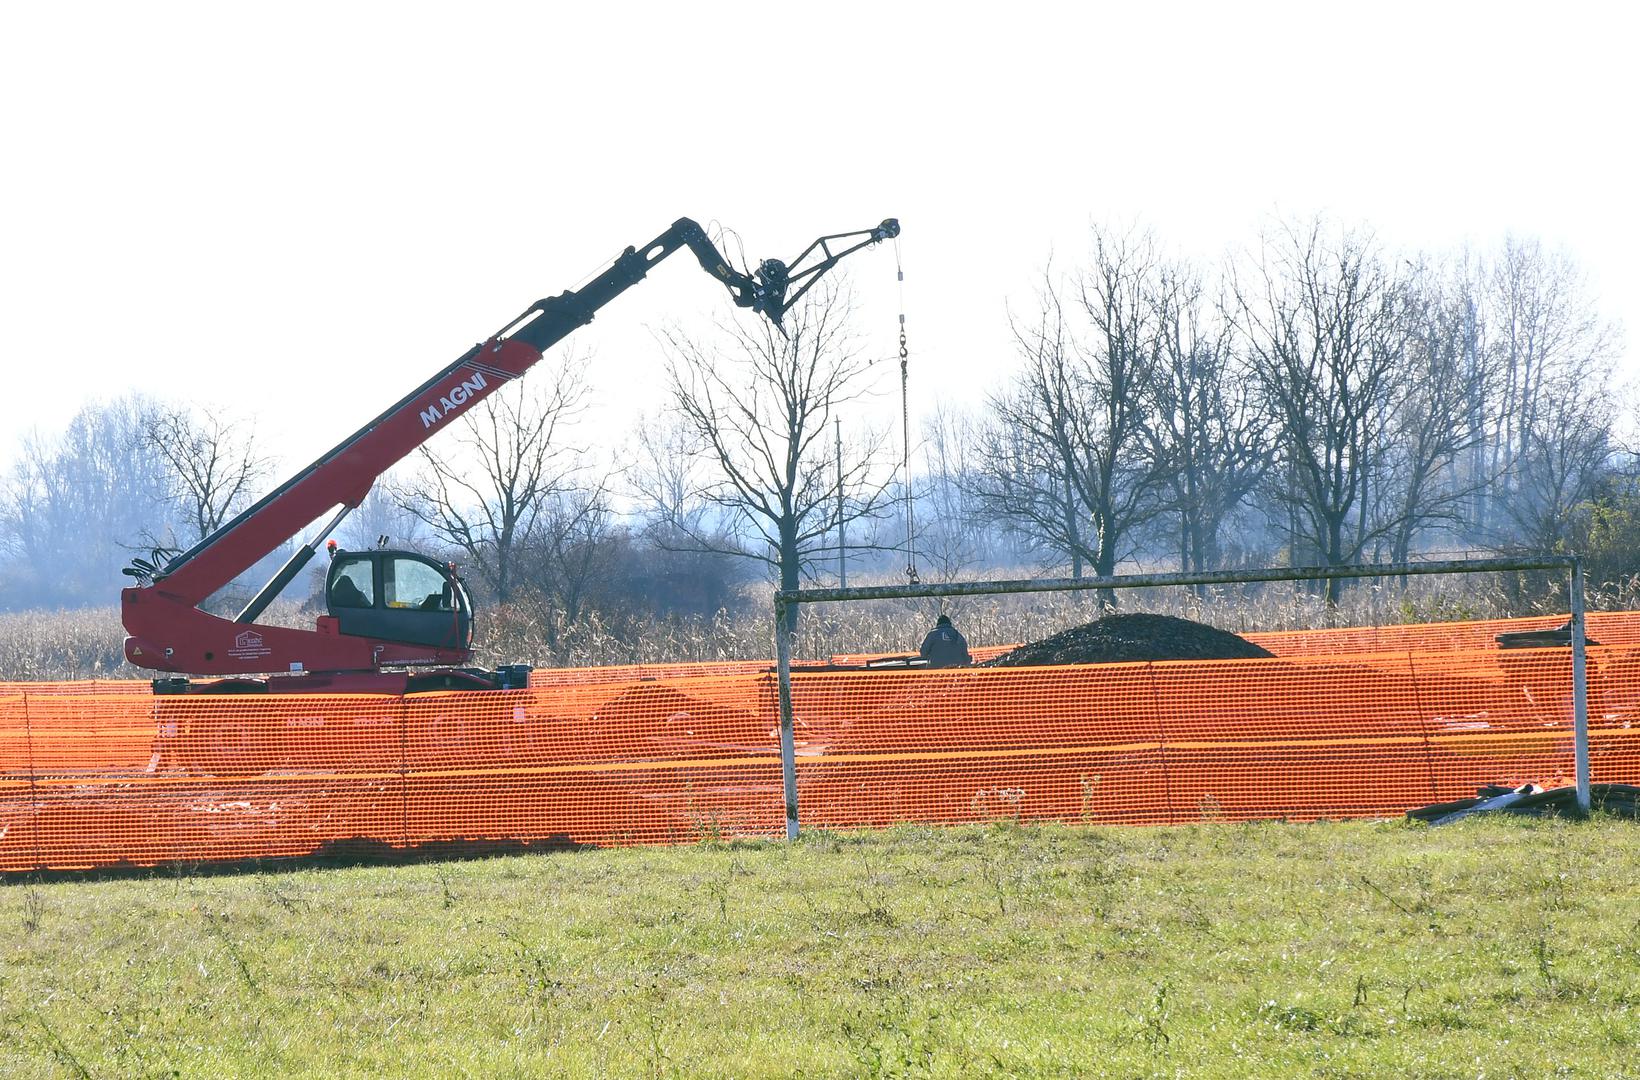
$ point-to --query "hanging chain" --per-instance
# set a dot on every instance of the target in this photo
(905, 430)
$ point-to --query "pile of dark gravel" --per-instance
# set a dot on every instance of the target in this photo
(1119, 639)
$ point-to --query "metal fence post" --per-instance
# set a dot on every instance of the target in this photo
(1580, 691)
(788, 742)
(33, 784)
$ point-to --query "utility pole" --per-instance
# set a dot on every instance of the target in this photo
(842, 541)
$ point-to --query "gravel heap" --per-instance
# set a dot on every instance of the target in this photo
(1118, 639)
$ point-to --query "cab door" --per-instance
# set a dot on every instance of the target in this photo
(398, 596)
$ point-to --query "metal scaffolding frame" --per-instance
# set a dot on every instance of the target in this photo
(785, 600)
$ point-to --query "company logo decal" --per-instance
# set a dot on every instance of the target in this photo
(247, 645)
(453, 399)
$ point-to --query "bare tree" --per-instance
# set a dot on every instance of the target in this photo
(212, 461)
(379, 515)
(76, 505)
(951, 535)
(757, 407)
(484, 486)
(1548, 336)
(1025, 442)
(1430, 477)
(1208, 431)
(1565, 455)
(571, 550)
(670, 482)
(1065, 454)
(1323, 324)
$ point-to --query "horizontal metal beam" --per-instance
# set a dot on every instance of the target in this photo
(1141, 581)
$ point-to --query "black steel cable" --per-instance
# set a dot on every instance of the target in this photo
(905, 429)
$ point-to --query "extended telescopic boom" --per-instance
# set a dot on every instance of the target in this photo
(170, 633)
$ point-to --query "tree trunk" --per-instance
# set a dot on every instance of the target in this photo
(1335, 557)
(1073, 535)
(1105, 566)
(790, 568)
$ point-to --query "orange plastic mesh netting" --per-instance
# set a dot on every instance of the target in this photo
(100, 774)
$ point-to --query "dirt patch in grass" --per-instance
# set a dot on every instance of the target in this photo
(1119, 639)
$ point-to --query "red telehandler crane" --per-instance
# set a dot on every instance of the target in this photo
(390, 610)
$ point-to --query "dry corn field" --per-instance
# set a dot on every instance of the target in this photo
(88, 643)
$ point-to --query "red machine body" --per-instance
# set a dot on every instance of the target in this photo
(169, 632)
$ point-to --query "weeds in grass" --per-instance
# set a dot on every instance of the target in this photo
(1154, 1019)
(873, 895)
(271, 890)
(1291, 1017)
(1098, 880)
(213, 925)
(1195, 919)
(657, 1060)
(996, 877)
(1088, 787)
(707, 828)
(1544, 954)
(447, 898)
(534, 970)
(998, 804)
(718, 889)
(1411, 987)
(33, 909)
(1396, 904)
(60, 1050)
(893, 1040)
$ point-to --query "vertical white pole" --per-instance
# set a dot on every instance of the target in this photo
(842, 538)
(788, 742)
(1580, 692)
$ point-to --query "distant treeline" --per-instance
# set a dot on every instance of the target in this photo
(1316, 400)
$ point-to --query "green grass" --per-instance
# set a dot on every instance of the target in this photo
(1495, 948)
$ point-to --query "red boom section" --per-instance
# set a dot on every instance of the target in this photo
(169, 633)
(344, 476)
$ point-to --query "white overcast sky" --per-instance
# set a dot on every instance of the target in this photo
(299, 211)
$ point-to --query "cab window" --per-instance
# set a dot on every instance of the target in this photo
(353, 586)
(411, 583)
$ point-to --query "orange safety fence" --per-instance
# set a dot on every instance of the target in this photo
(624, 673)
(1605, 627)
(979, 654)
(99, 774)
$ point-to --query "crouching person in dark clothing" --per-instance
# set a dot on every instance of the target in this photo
(945, 646)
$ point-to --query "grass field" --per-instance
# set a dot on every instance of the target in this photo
(1495, 948)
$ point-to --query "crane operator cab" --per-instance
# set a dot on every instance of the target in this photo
(399, 596)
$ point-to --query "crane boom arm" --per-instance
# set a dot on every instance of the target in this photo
(345, 474)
